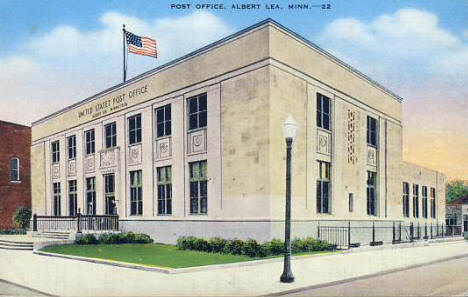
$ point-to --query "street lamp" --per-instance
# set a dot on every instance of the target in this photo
(289, 129)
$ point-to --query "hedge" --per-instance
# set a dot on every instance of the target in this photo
(114, 238)
(250, 247)
(13, 231)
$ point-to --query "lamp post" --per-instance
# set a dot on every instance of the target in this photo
(289, 134)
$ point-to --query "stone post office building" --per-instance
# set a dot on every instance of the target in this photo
(195, 146)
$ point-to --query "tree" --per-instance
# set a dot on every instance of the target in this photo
(22, 216)
(456, 189)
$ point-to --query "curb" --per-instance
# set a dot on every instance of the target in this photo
(26, 288)
(347, 280)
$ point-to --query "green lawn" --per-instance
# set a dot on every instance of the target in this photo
(148, 254)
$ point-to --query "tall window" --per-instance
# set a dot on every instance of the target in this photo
(90, 142)
(134, 129)
(197, 111)
(371, 193)
(323, 187)
(323, 112)
(136, 201)
(55, 151)
(433, 203)
(111, 135)
(424, 201)
(405, 201)
(371, 131)
(72, 201)
(57, 206)
(416, 201)
(198, 188)
(109, 194)
(91, 196)
(451, 219)
(164, 190)
(14, 169)
(71, 147)
(163, 121)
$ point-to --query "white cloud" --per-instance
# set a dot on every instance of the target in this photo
(413, 55)
(67, 64)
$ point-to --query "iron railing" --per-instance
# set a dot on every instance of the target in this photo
(76, 223)
(344, 237)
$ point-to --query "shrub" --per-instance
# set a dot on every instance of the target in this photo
(299, 245)
(185, 242)
(22, 216)
(142, 238)
(12, 231)
(274, 247)
(252, 248)
(233, 246)
(87, 239)
(216, 244)
(107, 238)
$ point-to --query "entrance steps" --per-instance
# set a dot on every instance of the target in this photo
(16, 245)
(53, 234)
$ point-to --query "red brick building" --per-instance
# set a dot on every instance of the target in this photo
(15, 186)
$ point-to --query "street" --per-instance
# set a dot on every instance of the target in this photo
(448, 278)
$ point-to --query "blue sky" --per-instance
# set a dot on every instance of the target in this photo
(32, 18)
(55, 53)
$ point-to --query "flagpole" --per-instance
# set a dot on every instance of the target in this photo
(124, 59)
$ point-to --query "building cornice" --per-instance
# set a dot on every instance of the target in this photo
(227, 39)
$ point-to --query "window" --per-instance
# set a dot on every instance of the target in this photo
(164, 190)
(323, 112)
(371, 193)
(71, 147)
(91, 196)
(433, 203)
(451, 219)
(405, 201)
(197, 111)
(109, 194)
(14, 169)
(136, 201)
(57, 206)
(323, 187)
(72, 201)
(55, 151)
(111, 135)
(163, 121)
(424, 201)
(134, 129)
(415, 201)
(371, 131)
(351, 202)
(198, 188)
(90, 143)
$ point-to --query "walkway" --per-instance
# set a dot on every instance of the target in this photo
(66, 277)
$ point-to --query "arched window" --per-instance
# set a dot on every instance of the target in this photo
(14, 169)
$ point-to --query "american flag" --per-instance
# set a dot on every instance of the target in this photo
(141, 45)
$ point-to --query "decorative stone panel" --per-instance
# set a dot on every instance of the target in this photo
(56, 171)
(352, 130)
(134, 155)
(109, 157)
(89, 165)
(323, 142)
(163, 148)
(371, 156)
(71, 167)
(196, 142)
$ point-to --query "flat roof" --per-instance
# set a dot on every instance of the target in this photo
(214, 44)
(14, 124)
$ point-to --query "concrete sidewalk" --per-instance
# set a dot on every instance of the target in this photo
(65, 277)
